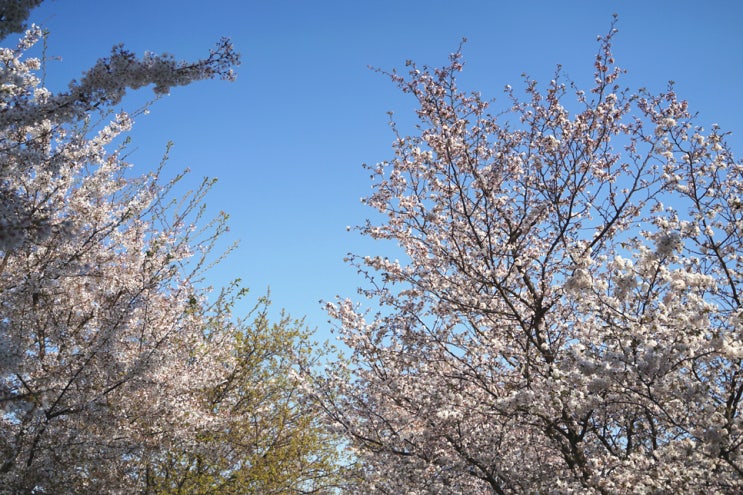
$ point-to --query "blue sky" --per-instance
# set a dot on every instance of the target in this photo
(288, 138)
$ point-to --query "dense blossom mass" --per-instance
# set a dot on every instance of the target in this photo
(26, 108)
(119, 372)
(568, 319)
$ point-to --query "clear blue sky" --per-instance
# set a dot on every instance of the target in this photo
(287, 140)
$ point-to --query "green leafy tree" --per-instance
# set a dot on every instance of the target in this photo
(271, 440)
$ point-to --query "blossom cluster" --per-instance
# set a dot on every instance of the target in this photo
(568, 319)
(30, 115)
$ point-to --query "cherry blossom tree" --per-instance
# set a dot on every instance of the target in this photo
(27, 108)
(567, 316)
(121, 370)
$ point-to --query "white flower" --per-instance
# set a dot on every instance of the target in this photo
(579, 281)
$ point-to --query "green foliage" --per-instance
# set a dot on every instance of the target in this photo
(273, 441)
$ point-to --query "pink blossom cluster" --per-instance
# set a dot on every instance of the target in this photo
(569, 317)
(109, 342)
(30, 115)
